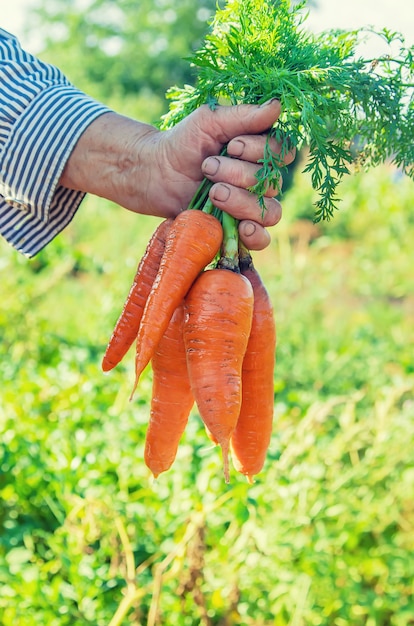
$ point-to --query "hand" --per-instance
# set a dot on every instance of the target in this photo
(202, 135)
(157, 172)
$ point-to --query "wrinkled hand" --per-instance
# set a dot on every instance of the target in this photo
(158, 172)
(190, 149)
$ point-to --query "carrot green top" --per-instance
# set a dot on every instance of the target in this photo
(347, 109)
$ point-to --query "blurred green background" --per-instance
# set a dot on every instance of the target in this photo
(325, 537)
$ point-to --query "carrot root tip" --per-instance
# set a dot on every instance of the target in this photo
(226, 470)
(134, 388)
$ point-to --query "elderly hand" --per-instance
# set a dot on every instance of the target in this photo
(158, 172)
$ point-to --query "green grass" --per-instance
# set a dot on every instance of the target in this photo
(325, 537)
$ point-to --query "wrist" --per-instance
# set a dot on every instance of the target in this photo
(106, 160)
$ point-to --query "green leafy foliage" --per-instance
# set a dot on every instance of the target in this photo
(325, 535)
(345, 108)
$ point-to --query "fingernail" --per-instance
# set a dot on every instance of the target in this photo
(236, 147)
(221, 192)
(249, 229)
(210, 166)
(271, 101)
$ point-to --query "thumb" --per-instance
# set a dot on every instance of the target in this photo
(226, 122)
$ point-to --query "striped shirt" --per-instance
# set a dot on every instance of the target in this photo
(42, 115)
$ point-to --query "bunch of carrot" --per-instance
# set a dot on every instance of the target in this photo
(204, 320)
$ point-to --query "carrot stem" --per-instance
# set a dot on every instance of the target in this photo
(210, 208)
(200, 198)
(230, 247)
(201, 195)
(245, 258)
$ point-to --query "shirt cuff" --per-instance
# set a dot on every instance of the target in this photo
(34, 208)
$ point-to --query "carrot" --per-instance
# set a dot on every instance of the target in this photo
(172, 398)
(193, 241)
(219, 310)
(126, 328)
(251, 437)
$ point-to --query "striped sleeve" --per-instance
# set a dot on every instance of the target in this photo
(42, 117)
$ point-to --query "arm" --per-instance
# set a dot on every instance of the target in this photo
(41, 117)
(56, 144)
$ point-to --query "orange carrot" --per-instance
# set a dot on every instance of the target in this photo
(172, 398)
(126, 328)
(251, 437)
(219, 310)
(192, 243)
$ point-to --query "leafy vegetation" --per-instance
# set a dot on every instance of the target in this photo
(344, 107)
(325, 535)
